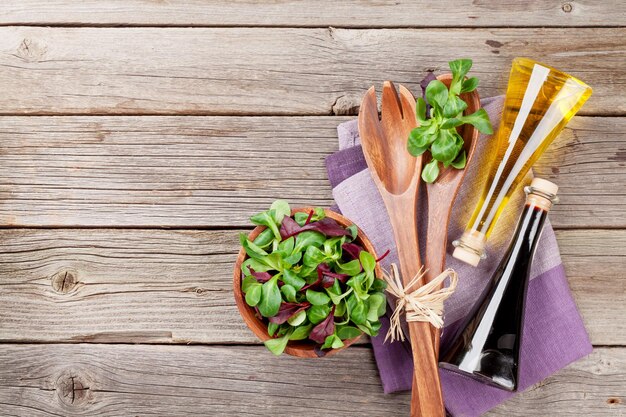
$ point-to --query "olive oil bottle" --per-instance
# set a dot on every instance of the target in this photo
(487, 346)
(539, 102)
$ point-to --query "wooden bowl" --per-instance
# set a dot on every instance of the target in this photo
(300, 348)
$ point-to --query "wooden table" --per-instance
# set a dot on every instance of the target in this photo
(136, 138)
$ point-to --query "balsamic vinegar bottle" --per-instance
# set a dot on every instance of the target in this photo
(487, 346)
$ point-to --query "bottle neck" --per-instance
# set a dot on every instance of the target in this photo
(538, 200)
(540, 195)
(531, 223)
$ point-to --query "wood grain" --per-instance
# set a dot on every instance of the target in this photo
(81, 296)
(112, 380)
(441, 197)
(217, 171)
(590, 265)
(347, 13)
(167, 286)
(276, 71)
(396, 174)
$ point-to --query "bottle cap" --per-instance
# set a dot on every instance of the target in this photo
(544, 186)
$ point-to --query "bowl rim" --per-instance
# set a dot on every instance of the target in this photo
(294, 348)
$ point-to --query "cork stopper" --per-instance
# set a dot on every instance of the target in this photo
(468, 256)
(544, 186)
(470, 248)
(542, 193)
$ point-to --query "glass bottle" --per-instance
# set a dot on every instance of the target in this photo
(487, 346)
(539, 102)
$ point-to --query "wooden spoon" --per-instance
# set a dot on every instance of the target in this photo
(441, 196)
(396, 173)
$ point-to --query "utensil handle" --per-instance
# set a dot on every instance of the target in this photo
(426, 395)
(436, 243)
(434, 269)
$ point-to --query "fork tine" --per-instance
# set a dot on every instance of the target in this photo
(370, 129)
(407, 101)
(371, 132)
(391, 108)
(369, 107)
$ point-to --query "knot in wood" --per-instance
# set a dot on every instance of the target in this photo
(73, 389)
(345, 105)
(30, 50)
(64, 281)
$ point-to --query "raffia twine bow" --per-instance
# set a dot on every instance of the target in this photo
(425, 303)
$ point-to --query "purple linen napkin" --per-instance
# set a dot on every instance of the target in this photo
(554, 334)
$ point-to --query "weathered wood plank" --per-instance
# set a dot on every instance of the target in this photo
(596, 275)
(349, 13)
(164, 286)
(217, 171)
(276, 71)
(112, 380)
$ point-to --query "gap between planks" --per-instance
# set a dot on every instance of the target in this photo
(289, 13)
(162, 286)
(185, 172)
(210, 114)
(276, 71)
(174, 380)
(291, 26)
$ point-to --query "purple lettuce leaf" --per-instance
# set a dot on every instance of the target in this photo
(260, 276)
(328, 276)
(430, 76)
(384, 255)
(289, 227)
(287, 310)
(324, 329)
(327, 226)
(315, 283)
(352, 249)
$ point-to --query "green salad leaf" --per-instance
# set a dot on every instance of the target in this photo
(310, 278)
(437, 130)
(278, 345)
(270, 298)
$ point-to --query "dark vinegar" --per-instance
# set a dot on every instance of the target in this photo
(487, 345)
